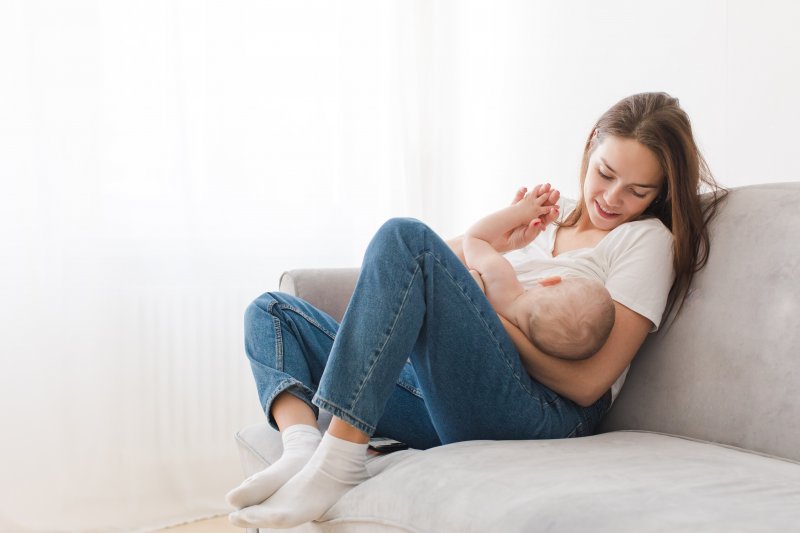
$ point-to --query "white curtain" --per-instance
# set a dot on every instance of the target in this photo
(162, 163)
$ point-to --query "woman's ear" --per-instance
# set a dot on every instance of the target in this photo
(593, 139)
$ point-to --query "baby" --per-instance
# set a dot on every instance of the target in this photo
(569, 318)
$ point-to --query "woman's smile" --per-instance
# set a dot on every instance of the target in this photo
(607, 214)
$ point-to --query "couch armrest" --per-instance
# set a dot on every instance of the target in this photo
(328, 289)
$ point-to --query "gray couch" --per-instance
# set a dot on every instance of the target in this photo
(705, 435)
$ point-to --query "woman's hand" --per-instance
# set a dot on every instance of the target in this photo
(522, 235)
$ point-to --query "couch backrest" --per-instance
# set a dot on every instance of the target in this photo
(728, 369)
(327, 289)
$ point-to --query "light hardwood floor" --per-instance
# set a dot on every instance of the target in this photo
(219, 524)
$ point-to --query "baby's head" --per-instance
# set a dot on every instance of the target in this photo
(571, 319)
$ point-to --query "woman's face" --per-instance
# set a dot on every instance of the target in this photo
(622, 179)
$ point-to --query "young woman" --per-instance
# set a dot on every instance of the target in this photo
(421, 356)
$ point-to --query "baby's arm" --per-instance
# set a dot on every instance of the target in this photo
(533, 211)
(499, 278)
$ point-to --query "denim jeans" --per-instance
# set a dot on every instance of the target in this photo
(420, 355)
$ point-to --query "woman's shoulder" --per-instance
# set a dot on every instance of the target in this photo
(650, 228)
(649, 234)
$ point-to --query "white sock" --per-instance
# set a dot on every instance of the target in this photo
(336, 467)
(299, 443)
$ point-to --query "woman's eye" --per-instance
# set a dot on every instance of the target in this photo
(603, 175)
(637, 195)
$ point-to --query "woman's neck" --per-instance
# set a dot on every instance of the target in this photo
(584, 225)
(581, 235)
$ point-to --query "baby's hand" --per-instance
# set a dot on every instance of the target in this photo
(551, 197)
(526, 225)
(541, 203)
(477, 277)
(540, 209)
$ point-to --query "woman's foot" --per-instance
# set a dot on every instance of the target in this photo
(336, 467)
(299, 443)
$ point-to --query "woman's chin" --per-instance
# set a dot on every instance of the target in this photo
(603, 221)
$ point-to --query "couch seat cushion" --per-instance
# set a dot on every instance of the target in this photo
(618, 481)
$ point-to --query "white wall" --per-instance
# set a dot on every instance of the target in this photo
(523, 82)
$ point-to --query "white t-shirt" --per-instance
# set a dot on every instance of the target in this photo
(633, 261)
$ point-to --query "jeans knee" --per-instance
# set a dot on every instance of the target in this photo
(402, 229)
(402, 224)
(259, 310)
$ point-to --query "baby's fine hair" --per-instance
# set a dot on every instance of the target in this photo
(573, 319)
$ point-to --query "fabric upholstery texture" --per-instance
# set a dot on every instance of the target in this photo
(725, 371)
(327, 289)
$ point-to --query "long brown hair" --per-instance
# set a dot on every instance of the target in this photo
(656, 121)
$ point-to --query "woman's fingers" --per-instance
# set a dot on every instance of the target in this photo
(551, 216)
(529, 233)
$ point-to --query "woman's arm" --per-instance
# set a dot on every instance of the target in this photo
(585, 381)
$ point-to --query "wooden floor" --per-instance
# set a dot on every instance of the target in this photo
(219, 524)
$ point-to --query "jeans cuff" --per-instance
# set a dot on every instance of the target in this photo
(295, 388)
(344, 415)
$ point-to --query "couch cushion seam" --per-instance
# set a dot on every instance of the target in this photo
(701, 441)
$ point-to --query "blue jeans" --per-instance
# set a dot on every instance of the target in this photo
(420, 355)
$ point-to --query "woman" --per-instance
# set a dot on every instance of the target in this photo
(421, 356)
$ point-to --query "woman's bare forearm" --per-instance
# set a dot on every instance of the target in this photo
(566, 377)
(585, 381)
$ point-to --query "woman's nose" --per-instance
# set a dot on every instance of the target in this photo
(613, 196)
